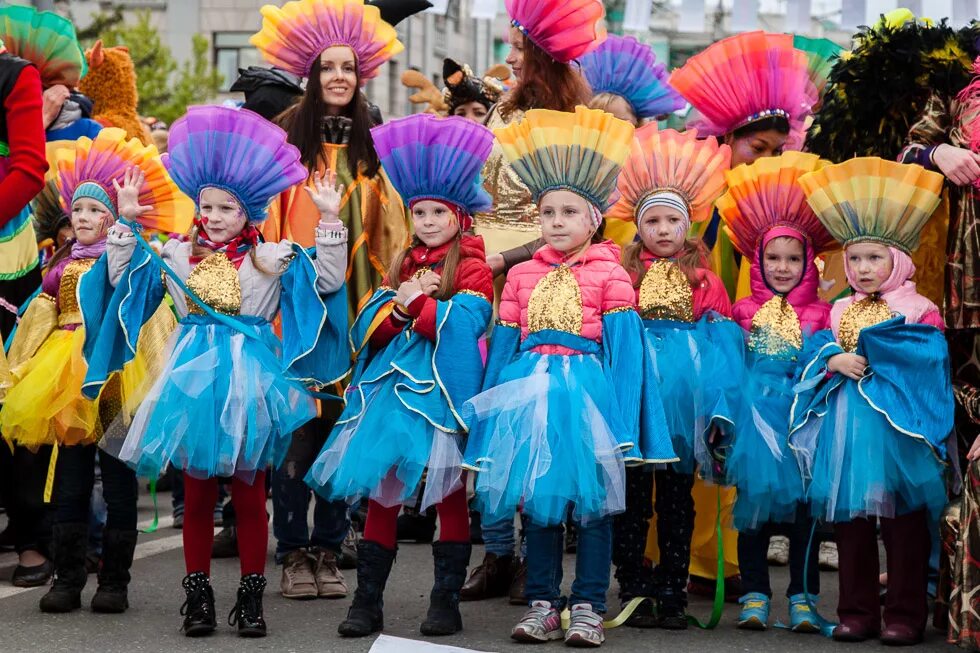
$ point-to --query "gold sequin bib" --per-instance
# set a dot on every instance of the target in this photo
(665, 293)
(776, 330)
(68, 310)
(859, 315)
(556, 303)
(215, 280)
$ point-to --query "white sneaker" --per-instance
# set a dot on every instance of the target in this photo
(585, 629)
(827, 556)
(541, 623)
(778, 554)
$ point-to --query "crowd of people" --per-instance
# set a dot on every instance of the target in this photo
(678, 352)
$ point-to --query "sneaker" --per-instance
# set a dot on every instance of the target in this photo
(330, 583)
(755, 612)
(778, 554)
(801, 617)
(827, 556)
(585, 628)
(298, 581)
(348, 550)
(541, 623)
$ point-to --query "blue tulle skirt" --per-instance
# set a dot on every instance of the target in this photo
(697, 368)
(221, 407)
(760, 464)
(549, 434)
(380, 449)
(863, 466)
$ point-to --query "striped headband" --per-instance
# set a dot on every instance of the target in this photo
(666, 198)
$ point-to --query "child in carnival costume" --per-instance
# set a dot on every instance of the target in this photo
(231, 393)
(691, 359)
(44, 404)
(874, 405)
(418, 360)
(771, 225)
(557, 419)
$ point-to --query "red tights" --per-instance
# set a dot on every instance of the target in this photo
(454, 521)
(251, 522)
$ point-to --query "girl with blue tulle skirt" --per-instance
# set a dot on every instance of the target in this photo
(874, 405)
(231, 393)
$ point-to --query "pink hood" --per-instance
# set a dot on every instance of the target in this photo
(814, 313)
(898, 291)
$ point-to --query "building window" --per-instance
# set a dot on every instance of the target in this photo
(231, 52)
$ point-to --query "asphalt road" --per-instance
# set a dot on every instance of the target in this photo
(152, 623)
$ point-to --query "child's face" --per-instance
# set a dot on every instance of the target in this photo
(782, 263)
(870, 265)
(90, 220)
(434, 223)
(663, 230)
(566, 220)
(221, 215)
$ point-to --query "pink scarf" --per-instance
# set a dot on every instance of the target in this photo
(897, 291)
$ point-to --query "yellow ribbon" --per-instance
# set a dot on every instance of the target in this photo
(49, 482)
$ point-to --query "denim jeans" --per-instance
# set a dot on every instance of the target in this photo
(291, 497)
(499, 538)
(74, 481)
(545, 546)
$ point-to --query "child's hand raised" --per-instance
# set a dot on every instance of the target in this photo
(850, 365)
(326, 195)
(128, 195)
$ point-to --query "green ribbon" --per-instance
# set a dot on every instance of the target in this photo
(4, 149)
(719, 603)
(156, 509)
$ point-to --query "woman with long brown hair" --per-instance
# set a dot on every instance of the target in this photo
(337, 45)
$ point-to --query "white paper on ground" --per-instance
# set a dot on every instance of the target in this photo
(387, 644)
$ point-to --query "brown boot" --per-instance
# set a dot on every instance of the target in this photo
(490, 579)
(517, 593)
(298, 581)
(330, 583)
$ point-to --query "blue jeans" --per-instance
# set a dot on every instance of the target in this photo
(291, 498)
(545, 546)
(499, 539)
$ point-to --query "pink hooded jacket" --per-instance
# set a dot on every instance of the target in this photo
(604, 285)
(897, 291)
(814, 313)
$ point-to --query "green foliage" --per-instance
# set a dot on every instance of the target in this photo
(165, 89)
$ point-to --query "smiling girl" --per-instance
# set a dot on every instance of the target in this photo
(875, 406)
(417, 362)
(772, 226)
(45, 405)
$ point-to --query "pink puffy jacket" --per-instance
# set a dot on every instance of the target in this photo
(603, 283)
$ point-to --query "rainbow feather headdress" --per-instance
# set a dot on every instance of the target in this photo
(766, 195)
(555, 150)
(45, 39)
(565, 29)
(293, 36)
(235, 150)
(675, 162)
(745, 78)
(428, 157)
(627, 68)
(88, 167)
(872, 199)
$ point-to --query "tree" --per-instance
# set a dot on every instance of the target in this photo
(165, 89)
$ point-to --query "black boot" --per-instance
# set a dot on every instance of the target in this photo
(69, 543)
(198, 609)
(373, 567)
(117, 557)
(450, 560)
(247, 613)
(672, 610)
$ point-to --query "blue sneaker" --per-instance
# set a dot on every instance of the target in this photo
(801, 617)
(755, 611)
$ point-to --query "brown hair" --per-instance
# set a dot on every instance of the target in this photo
(692, 256)
(602, 101)
(545, 84)
(303, 123)
(447, 286)
(59, 254)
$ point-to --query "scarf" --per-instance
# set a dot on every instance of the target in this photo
(235, 249)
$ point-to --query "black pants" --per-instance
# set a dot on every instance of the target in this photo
(75, 478)
(23, 474)
(675, 527)
(753, 549)
(634, 575)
